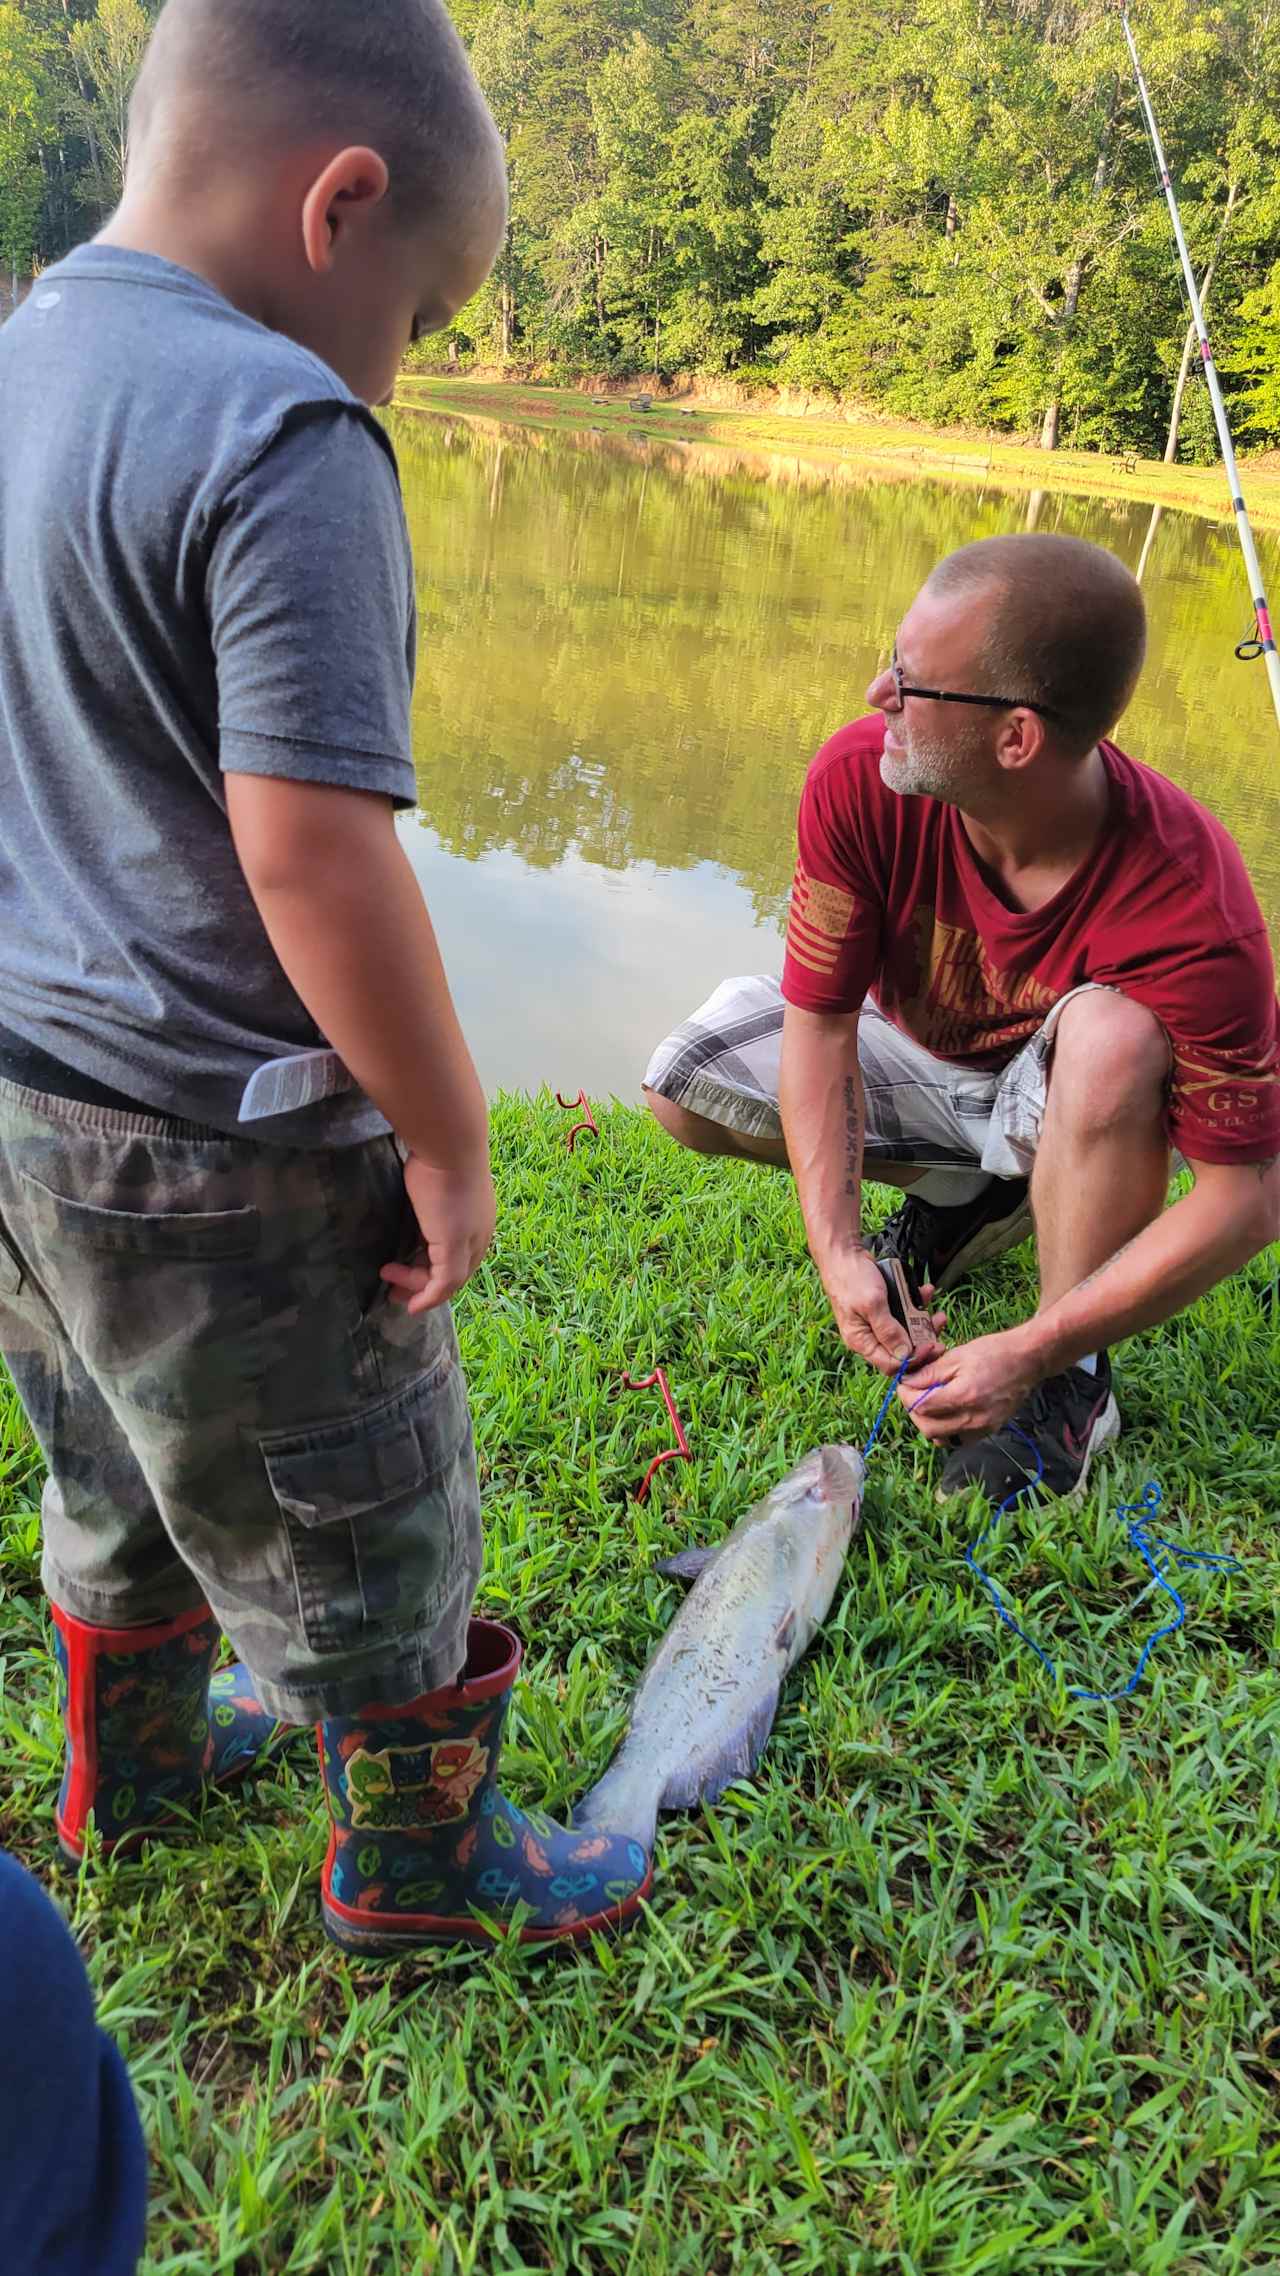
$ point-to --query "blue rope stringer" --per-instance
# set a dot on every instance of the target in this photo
(1141, 1514)
(885, 1404)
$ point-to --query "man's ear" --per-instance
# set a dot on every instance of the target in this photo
(351, 186)
(1021, 739)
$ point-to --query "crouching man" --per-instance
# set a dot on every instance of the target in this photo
(1022, 972)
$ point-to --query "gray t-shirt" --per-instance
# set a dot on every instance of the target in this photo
(204, 568)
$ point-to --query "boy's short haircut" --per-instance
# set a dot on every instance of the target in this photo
(392, 74)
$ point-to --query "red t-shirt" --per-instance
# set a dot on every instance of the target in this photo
(891, 900)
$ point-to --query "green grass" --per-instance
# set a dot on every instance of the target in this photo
(970, 1978)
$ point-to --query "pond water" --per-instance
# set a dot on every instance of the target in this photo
(630, 653)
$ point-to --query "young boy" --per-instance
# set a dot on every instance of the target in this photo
(223, 1291)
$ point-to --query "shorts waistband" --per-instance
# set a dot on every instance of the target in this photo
(111, 1121)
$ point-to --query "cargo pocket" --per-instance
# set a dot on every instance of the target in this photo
(184, 1236)
(378, 1509)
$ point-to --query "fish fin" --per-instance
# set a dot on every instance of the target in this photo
(736, 1758)
(784, 1633)
(688, 1563)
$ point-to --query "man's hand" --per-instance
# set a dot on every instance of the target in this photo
(977, 1387)
(856, 1290)
(456, 1212)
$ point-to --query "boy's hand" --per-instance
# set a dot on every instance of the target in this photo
(456, 1213)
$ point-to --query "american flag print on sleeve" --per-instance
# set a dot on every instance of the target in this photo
(819, 923)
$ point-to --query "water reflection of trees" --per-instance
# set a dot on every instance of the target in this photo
(632, 650)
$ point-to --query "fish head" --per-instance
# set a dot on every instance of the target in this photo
(832, 1477)
(821, 1498)
(814, 1513)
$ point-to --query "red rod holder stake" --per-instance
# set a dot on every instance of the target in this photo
(571, 1106)
(677, 1453)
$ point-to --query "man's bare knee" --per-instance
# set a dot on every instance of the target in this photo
(1111, 1062)
(696, 1131)
(703, 1136)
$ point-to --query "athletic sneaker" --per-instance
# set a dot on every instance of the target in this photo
(942, 1245)
(1070, 1418)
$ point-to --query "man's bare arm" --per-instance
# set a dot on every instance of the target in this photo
(1230, 1215)
(346, 918)
(824, 1121)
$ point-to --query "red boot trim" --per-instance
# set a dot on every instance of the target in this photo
(494, 1657)
(126, 1639)
(362, 1932)
(85, 1646)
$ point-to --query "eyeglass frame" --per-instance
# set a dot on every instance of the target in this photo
(946, 695)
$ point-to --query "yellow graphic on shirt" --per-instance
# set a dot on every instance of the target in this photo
(1227, 1088)
(963, 1002)
(819, 924)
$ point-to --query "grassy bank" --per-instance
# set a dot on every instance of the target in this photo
(818, 441)
(972, 1979)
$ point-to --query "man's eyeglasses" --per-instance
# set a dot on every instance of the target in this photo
(947, 695)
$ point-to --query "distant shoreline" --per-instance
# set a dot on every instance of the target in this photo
(821, 439)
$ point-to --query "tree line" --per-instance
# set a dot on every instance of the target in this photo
(943, 208)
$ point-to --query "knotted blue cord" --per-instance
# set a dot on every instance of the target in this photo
(1142, 1515)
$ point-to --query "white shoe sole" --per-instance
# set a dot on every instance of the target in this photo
(1105, 1431)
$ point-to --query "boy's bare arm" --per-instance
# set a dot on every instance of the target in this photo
(345, 916)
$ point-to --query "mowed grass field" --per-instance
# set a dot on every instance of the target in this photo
(971, 1977)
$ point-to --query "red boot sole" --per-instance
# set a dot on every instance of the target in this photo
(351, 1932)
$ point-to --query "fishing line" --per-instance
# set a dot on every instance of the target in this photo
(1264, 643)
(1141, 1514)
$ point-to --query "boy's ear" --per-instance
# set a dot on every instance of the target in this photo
(351, 186)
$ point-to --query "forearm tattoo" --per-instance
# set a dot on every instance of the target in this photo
(1107, 1263)
(852, 1139)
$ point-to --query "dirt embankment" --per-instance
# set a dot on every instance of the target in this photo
(809, 434)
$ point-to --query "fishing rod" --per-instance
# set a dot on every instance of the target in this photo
(1264, 644)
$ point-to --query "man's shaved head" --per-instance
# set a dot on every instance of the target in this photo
(1068, 626)
(391, 75)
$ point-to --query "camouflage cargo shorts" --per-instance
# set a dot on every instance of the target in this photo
(232, 1409)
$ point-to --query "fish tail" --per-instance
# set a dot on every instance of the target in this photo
(624, 1801)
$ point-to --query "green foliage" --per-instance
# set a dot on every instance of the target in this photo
(969, 1979)
(947, 211)
(1256, 357)
(106, 56)
(951, 213)
(26, 123)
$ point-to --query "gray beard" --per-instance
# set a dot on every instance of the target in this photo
(930, 769)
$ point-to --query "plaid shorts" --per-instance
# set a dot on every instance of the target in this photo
(232, 1409)
(724, 1063)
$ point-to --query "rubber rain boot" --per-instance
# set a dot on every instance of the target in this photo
(148, 1724)
(423, 1840)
